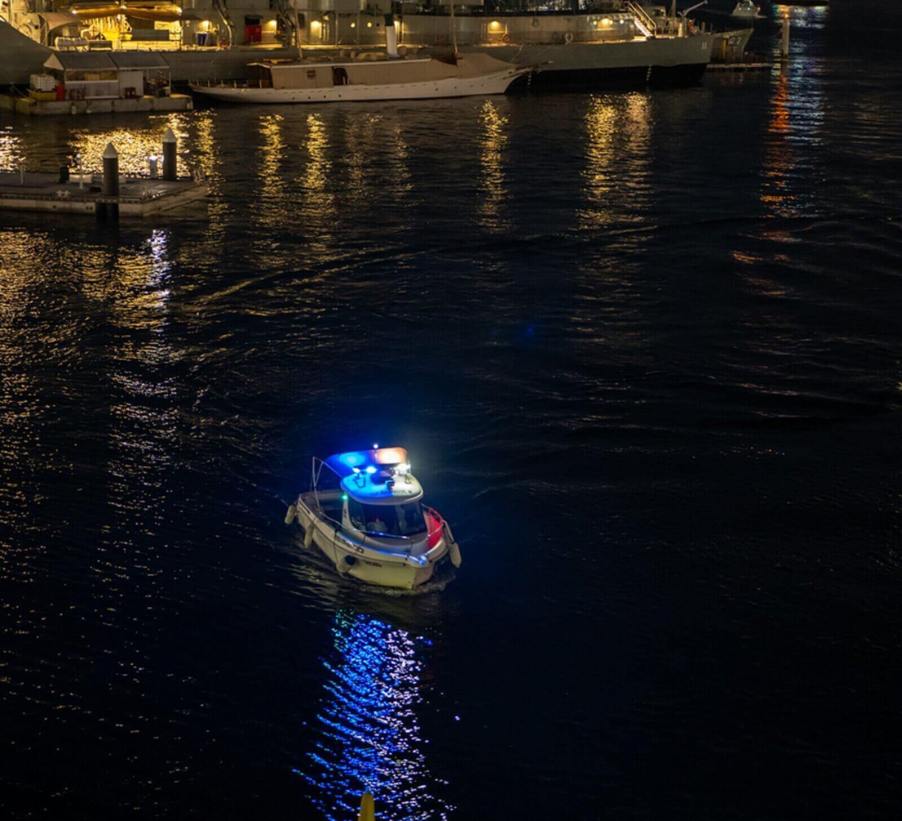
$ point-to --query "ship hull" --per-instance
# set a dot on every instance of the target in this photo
(494, 83)
(614, 79)
(20, 56)
(631, 64)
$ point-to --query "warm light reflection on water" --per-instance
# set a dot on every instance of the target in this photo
(134, 147)
(368, 735)
(272, 185)
(362, 135)
(400, 156)
(205, 144)
(11, 154)
(317, 209)
(601, 122)
(796, 123)
(778, 150)
(493, 144)
(614, 176)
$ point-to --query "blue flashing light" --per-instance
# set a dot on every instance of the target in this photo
(353, 459)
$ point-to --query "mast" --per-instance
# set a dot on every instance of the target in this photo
(453, 33)
(297, 26)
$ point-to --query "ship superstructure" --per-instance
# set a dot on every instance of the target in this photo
(588, 39)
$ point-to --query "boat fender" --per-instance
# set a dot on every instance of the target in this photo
(346, 564)
(505, 38)
(291, 514)
(568, 37)
(454, 550)
(308, 535)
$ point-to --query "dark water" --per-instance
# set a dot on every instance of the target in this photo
(646, 352)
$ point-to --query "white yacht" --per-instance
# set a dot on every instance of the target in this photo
(357, 81)
(364, 511)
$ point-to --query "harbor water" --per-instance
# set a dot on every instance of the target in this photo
(644, 349)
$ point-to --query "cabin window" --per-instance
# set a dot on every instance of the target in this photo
(391, 520)
(356, 514)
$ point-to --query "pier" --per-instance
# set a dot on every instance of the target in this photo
(108, 195)
(26, 104)
(83, 194)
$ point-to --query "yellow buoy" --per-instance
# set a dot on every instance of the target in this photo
(367, 808)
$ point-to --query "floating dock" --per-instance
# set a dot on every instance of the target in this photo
(83, 194)
(38, 107)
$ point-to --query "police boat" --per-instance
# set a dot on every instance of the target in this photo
(364, 511)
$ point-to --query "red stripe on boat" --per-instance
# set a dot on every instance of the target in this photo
(434, 524)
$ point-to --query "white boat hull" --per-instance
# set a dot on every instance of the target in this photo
(367, 564)
(495, 83)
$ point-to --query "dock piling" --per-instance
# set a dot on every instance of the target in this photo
(111, 171)
(170, 156)
(108, 207)
(784, 42)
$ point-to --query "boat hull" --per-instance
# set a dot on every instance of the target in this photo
(19, 56)
(495, 83)
(365, 564)
(628, 64)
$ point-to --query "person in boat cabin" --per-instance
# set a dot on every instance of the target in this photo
(377, 525)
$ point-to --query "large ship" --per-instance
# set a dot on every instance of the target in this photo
(584, 42)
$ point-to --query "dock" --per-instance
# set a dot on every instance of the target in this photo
(44, 107)
(83, 194)
(109, 195)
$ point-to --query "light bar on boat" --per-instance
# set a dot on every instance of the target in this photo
(354, 461)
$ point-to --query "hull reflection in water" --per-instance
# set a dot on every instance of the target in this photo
(367, 735)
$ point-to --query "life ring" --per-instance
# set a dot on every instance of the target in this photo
(568, 37)
(505, 38)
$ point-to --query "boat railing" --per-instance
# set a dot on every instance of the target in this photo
(644, 21)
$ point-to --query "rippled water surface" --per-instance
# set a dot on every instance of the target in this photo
(645, 351)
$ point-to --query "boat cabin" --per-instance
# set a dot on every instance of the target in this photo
(295, 75)
(377, 496)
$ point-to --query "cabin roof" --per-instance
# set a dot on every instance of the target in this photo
(363, 488)
(80, 60)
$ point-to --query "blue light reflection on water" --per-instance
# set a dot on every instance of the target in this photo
(367, 734)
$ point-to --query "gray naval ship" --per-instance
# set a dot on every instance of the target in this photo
(570, 43)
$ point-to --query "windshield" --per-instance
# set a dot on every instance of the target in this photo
(389, 520)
